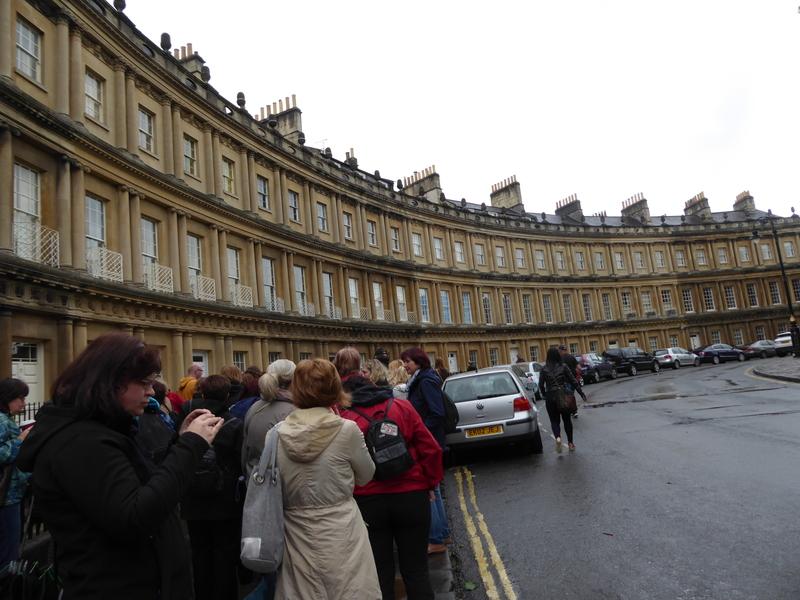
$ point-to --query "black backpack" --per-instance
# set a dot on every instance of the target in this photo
(386, 445)
(450, 414)
(215, 472)
(154, 437)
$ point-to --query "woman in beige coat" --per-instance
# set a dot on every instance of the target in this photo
(321, 458)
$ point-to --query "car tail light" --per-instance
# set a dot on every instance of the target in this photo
(521, 404)
(668, 356)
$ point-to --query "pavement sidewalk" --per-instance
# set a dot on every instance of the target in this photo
(783, 369)
(441, 572)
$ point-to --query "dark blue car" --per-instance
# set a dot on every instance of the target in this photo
(717, 353)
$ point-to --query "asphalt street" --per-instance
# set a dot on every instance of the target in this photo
(685, 485)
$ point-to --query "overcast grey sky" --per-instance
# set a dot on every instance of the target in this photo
(599, 98)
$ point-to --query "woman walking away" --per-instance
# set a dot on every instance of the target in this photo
(321, 458)
(553, 380)
(397, 509)
(113, 519)
(425, 394)
(12, 402)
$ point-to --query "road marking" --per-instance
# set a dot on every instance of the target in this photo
(475, 541)
(463, 473)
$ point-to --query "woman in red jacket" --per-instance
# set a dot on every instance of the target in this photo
(397, 510)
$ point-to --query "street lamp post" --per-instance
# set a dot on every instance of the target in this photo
(793, 328)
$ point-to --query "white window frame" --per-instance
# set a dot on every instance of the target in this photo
(666, 299)
(744, 254)
(540, 260)
(347, 225)
(688, 300)
(94, 94)
(372, 233)
(680, 258)
(268, 272)
(234, 272)
(547, 308)
(416, 243)
(466, 308)
(458, 248)
(608, 311)
(586, 301)
(95, 222)
(500, 256)
(730, 297)
(438, 248)
(508, 309)
(580, 260)
(766, 251)
(626, 301)
(29, 50)
(722, 256)
(300, 290)
(293, 199)
(424, 306)
(228, 176)
(486, 302)
(194, 258)
(566, 302)
(638, 259)
(147, 130)
(709, 303)
(395, 232)
(444, 301)
(149, 229)
(774, 292)
(659, 258)
(788, 249)
(647, 301)
(322, 216)
(519, 258)
(527, 308)
(480, 254)
(262, 192)
(752, 294)
(700, 257)
(328, 295)
(619, 261)
(190, 155)
(599, 261)
(561, 262)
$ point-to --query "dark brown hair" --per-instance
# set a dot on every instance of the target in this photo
(215, 388)
(316, 383)
(11, 389)
(91, 382)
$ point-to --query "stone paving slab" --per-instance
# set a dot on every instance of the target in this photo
(783, 369)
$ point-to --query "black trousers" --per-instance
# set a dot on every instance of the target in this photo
(215, 558)
(555, 418)
(404, 520)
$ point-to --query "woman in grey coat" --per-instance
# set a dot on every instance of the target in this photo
(273, 407)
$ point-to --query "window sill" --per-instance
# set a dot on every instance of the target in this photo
(97, 122)
(150, 153)
(231, 195)
(265, 209)
(27, 78)
(193, 176)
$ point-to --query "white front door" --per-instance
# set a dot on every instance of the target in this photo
(27, 364)
(695, 341)
(452, 362)
(513, 355)
(201, 356)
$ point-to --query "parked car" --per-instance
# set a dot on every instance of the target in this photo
(594, 368)
(783, 343)
(528, 372)
(493, 408)
(759, 348)
(717, 353)
(631, 360)
(676, 357)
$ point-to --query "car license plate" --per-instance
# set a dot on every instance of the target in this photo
(481, 431)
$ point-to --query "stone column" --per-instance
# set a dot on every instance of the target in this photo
(470, 251)
(265, 351)
(66, 343)
(80, 337)
(257, 358)
(228, 350)
(78, 218)
(409, 249)
(64, 207)
(369, 299)
(458, 317)
(216, 157)
(244, 179)
(251, 259)
(177, 360)
(6, 337)
(175, 242)
(132, 113)
(6, 66)
(251, 181)
(168, 155)
(315, 286)
(223, 265)
(183, 255)
(280, 201)
(343, 299)
(277, 196)
(215, 258)
(136, 238)
(219, 353)
(385, 242)
(361, 223)
(259, 281)
(427, 244)
(124, 212)
(177, 140)
(6, 184)
(389, 298)
(120, 112)
(77, 104)
(208, 160)
(188, 350)
(290, 350)
(138, 332)
(290, 302)
(62, 71)
(336, 218)
(311, 227)
(287, 292)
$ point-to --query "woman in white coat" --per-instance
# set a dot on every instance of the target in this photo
(321, 458)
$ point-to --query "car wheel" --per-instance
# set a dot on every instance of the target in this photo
(596, 377)
(632, 370)
(613, 373)
(780, 354)
(741, 356)
(696, 362)
(676, 364)
(656, 367)
(715, 359)
(763, 354)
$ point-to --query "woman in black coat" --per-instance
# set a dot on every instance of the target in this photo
(112, 515)
(553, 381)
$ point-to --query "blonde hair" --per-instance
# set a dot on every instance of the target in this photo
(376, 372)
(397, 373)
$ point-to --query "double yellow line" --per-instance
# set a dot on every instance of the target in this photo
(478, 537)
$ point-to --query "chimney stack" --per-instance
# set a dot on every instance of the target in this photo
(745, 203)
(636, 207)
(425, 183)
(697, 206)
(570, 208)
(286, 118)
(507, 194)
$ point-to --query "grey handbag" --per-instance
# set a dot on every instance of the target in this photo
(262, 519)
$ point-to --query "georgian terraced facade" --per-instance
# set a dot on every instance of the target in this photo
(135, 197)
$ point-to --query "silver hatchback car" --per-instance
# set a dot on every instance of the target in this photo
(493, 408)
(676, 358)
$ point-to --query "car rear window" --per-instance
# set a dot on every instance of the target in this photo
(660, 352)
(488, 385)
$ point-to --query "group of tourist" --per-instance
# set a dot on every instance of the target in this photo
(123, 470)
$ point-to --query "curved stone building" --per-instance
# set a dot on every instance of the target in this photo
(135, 197)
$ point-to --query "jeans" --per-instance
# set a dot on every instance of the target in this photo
(10, 533)
(265, 590)
(440, 530)
(555, 419)
(402, 519)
